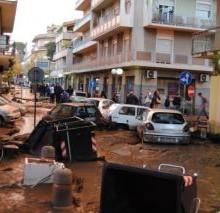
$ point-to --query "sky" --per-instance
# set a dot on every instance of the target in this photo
(33, 17)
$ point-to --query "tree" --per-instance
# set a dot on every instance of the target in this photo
(51, 49)
(20, 48)
(15, 69)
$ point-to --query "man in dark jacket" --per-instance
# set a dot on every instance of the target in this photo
(132, 99)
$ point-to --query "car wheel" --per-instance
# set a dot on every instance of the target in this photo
(2, 121)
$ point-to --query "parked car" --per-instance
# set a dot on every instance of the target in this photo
(102, 104)
(78, 96)
(163, 126)
(126, 115)
(22, 108)
(86, 111)
(8, 113)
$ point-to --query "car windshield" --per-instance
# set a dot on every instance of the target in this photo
(91, 111)
(167, 118)
(82, 94)
(62, 111)
(95, 102)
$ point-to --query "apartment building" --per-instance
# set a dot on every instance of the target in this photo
(63, 56)
(7, 14)
(149, 40)
(38, 56)
(206, 45)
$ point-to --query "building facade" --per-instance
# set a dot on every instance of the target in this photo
(7, 14)
(38, 56)
(63, 56)
(151, 41)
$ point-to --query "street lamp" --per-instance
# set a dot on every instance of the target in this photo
(118, 71)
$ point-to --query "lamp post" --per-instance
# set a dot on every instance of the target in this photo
(117, 72)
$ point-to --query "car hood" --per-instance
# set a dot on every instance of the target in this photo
(8, 108)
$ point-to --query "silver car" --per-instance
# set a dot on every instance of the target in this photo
(163, 126)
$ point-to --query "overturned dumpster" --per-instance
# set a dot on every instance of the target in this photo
(72, 138)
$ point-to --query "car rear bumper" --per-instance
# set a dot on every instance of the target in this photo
(167, 139)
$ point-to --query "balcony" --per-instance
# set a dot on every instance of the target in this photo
(83, 45)
(143, 59)
(83, 24)
(108, 27)
(82, 5)
(6, 54)
(62, 53)
(207, 43)
(181, 23)
(64, 36)
(100, 4)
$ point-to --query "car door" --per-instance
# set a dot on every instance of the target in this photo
(127, 116)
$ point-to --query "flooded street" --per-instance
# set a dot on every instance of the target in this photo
(123, 147)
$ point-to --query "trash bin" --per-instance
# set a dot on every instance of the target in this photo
(71, 138)
(73, 141)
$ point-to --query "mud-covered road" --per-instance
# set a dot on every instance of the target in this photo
(120, 147)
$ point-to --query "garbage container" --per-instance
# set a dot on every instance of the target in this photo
(73, 141)
(71, 137)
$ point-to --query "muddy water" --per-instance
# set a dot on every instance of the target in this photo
(202, 158)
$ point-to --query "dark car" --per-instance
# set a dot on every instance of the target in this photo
(86, 111)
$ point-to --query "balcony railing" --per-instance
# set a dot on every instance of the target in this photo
(87, 17)
(139, 57)
(182, 21)
(106, 26)
(206, 41)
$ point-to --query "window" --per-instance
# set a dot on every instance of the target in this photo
(140, 111)
(164, 45)
(203, 11)
(127, 111)
(127, 6)
(166, 13)
(167, 118)
(91, 111)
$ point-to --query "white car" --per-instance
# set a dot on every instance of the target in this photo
(126, 115)
(5, 100)
(8, 113)
(163, 126)
(102, 104)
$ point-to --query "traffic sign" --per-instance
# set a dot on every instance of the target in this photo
(185, 78)
(36, 75)
(191, 91)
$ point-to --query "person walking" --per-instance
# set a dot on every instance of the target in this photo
(167, 102)
(70, 90)
(58, 90)
(156, 100)
(103, 95)
(132, 99)
(203, 105)
(52, 94)
(177, 102)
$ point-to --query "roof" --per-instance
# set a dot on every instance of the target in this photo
(99, 99)
(77, 104)
(7, 12)
(165, 110)
(130, 105)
